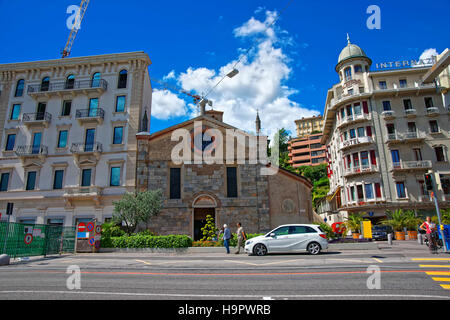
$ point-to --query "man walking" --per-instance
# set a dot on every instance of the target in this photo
(240, 237)
(226, 237)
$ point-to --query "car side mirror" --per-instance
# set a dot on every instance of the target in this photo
(273, 235)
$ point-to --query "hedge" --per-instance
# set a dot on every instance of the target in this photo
(144, 241)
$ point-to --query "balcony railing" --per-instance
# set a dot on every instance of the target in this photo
(80, 148)
(67, 85)
(432, 111)
(408, 136)
(98, 113)
(30, 151)
(411, 165)
(356, 141)
(411, 112)
(388, 114)
(354, 118)
(361, 169)
(79, 191)
(37, 117)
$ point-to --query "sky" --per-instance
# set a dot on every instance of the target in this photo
(285, 68)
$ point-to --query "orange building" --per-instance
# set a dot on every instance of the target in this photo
(307, 151)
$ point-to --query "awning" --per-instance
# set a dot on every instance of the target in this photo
(330, 198)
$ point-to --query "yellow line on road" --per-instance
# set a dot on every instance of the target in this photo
(377, 260)
(445, 286)
(441, 279)
(243, 262)
(430, 259)
(145, 262)
(350, 260)
(433, 266)
(437, 273)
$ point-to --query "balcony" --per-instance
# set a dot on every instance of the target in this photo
(432, 112)
(354, 119)
(64, 87)
(356, 142)
(90, 115)
(41, 119)
(92, 193)
(367, 203)
(24, 152)
(81, 148)
(388, 115)
(408, 137)
(411, 113)
(411, 166)
(360, 170)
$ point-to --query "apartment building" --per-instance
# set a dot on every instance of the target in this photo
(384, 130)
(68, 135)
(307, 151)
(308, 126)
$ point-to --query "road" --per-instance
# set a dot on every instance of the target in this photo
(332, 275)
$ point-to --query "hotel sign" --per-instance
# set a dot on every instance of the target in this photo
(407, 63)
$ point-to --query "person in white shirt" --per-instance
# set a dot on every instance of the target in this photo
(431, 229)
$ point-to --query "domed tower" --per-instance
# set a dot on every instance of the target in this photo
(353, 68)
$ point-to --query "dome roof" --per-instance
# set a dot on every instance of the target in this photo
(351, 51)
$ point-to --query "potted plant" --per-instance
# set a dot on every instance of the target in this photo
(354, 224)
(411, 224)
(397, 220)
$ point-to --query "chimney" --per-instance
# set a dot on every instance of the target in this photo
(217, 115)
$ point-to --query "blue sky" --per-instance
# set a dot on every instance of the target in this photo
(191, 43)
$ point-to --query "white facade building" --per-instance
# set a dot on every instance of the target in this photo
(68, 140)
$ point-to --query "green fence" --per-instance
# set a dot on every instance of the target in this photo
(25, 240)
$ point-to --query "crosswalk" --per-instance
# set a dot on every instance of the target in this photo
(441, 277)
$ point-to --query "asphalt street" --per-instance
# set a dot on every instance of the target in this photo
(331, 275)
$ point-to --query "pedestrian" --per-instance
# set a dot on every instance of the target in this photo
(241, 238)
(431, 229)
(226, 237)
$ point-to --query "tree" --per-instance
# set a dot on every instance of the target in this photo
(137, 207)
(209, 230)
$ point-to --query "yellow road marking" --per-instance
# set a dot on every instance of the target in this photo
(350, 260)
(437, 273)
(144, 262)
(243, 262)
(278, 262)
(377, 260)
(441, 279)
(430, 259)
(445, 286)
(433, 266)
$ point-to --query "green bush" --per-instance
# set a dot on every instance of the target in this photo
(144, 241)
(328, 230)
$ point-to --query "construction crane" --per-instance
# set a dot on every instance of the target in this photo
(73, 33)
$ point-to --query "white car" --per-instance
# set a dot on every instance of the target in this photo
(289, 238)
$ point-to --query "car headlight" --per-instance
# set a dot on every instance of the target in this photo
(248, 242)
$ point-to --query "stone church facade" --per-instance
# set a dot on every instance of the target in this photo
(230, 193)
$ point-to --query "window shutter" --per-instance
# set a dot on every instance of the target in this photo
(369, 131)
(373, 158)
(365, 107)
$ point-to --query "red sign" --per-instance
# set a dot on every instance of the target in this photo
(338, 227)
(28, 239)
(81, 227)
(90, 226)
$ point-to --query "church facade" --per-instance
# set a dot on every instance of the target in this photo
(236, 189)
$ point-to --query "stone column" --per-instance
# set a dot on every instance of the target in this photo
(143, 142)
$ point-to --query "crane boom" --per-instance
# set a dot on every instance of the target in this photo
(73, 33)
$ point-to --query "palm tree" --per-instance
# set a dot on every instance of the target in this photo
(354, 222)
(396, 219)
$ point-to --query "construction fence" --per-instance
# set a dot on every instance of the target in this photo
(26, 240)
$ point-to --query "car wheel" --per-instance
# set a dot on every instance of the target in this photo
(314, 248)
(260, 250)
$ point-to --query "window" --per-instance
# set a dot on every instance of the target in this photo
(407, 104)
(365, 159)
(357, 109)
(369, 191)
(356, 160)
(403, 83)
(358, 68)
(361, 89)
(15, 112)
(283, 231)
(316, 146)
(429, 103)
(58, 180)
(361, 132)
(422, 188)
(348, 74)
(378, 190)
(45, 84)
(373, 157)
(232, 182)
(86, 177)
(445, 182)
(412, 127)
(401, 190)
(343, 113)
(40, 115)
(70, 82)
(118, 135)
(390, 128)
(352, 133)
(96, 78)
(417, 154)
(19, 88)
(395, 157)
(359, 190)
(123, 76)
(4, 180)
(382, 85)
(350, 92)
(352, 194)
(434, 127)
(93, 107)
(10, 142)
(120, 103)
(31, 181)
(386, 106)
(175, 183)
(62, 139)
(115, 177)
(67, 106)
(440, 154)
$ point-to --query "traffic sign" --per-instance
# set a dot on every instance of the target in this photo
(92, 241)
(97, 245)
(98, 229)
(81, 227)
(90, 226)
(28, 239)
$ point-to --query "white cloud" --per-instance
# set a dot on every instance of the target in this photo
(260, 84)
(170, 75)
(166, 105)
(427, 54)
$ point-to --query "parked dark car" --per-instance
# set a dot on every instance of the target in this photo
(381, 232)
